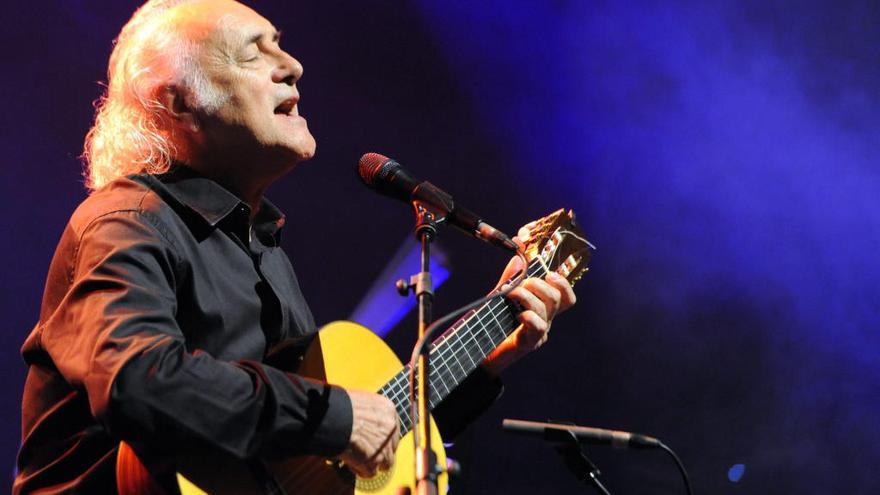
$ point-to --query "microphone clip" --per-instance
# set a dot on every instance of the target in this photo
(432, 206)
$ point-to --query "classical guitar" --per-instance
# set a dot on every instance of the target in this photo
(351, 356)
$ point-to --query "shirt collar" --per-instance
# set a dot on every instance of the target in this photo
(269, 222)
(213, 203)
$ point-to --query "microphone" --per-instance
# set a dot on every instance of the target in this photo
(556, 432)
(389, 178)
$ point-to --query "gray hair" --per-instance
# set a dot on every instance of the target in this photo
(132, 132)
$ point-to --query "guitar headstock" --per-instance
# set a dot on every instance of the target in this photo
(558, 244)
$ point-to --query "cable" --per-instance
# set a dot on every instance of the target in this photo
(678, 463)
(432, 328)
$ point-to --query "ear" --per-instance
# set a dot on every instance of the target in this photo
(175, 103)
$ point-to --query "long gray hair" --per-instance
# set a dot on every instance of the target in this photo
(132, 132)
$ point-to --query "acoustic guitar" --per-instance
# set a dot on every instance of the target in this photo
(351, 356)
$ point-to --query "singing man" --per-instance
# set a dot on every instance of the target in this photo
(168, 294)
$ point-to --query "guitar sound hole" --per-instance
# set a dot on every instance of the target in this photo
(375, 483)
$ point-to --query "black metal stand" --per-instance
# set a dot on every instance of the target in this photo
(425, 461)
(430, 213)
(569, 448)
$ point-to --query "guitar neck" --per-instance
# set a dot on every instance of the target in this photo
(458, 352)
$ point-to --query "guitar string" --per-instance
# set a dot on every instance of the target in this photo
(401, 396)
(400, 384)
(444, 373)
(397, 389)
(444, 356)
(485, 328)
(455, 346)
(450, 348)
(479, 335)
(576, 236)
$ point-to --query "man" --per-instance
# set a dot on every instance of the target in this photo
(168, 294)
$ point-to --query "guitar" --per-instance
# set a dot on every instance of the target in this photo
(349, 355)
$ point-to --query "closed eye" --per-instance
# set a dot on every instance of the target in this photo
(257, 41)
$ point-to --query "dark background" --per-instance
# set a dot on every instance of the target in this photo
(721, 155)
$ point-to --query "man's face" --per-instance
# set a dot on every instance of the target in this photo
(259, 120)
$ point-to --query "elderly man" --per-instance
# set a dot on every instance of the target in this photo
(168, 292)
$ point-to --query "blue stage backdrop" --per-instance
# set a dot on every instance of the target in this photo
(721, 155)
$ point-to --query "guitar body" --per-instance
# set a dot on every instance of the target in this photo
(344, 354)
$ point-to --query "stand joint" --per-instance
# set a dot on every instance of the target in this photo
(420, 283)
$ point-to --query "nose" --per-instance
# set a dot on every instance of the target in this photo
(288, 71)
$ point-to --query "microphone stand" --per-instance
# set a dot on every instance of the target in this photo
(427, 218)
(430, 212)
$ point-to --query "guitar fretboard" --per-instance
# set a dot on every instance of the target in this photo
(458, 352)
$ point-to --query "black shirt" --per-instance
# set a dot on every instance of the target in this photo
(161, 307)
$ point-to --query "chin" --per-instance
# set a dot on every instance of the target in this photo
(304, 148)
(290, 154)
(308, 153)
(299, 153)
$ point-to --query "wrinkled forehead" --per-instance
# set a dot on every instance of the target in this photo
(218, 22)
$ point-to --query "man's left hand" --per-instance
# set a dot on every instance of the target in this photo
(541, 299)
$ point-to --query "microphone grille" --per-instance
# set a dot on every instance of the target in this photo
(369, 167)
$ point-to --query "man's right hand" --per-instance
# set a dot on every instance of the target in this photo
(375, 431)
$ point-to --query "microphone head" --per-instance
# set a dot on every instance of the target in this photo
(369, 167)
(386, 176)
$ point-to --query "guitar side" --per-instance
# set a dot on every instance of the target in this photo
(343, 353)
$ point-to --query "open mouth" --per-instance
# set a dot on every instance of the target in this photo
(286, 107)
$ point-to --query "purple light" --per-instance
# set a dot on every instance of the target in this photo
(382, 307)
